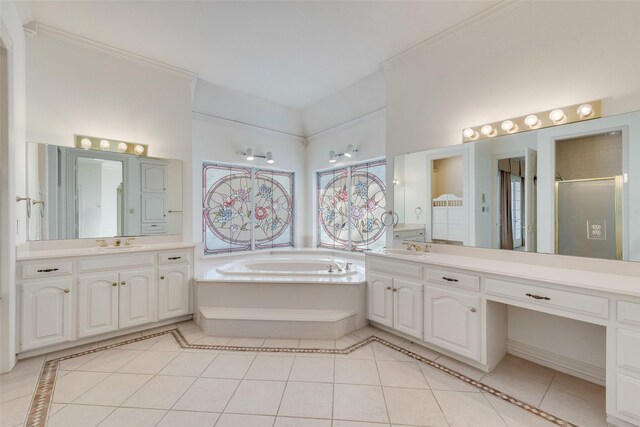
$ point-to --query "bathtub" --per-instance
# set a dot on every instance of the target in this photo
(291, 266)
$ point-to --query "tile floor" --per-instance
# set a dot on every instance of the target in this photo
(155, 382)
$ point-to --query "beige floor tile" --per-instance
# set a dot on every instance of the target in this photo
(301, 422)
(115, 340)
(138, 345)
(29, 366)
(270, 368)
(77, 362)
(187, 325)
(188, 364)
(165, 343)
(578, 387)
(309, 343)
(189, 419)
(413, 406)
(401, 374)
(574, 409)
(366, 332)
(236, 420)
(352, 371)
(460, 367)
(257, 398)
(382, 352)
(309, 400)
(149, 362)
(14, 388)
(207, 394)
(438, 380)
(55, 407)
(193, 335)
(281, 343)
(227, 365)
(133, 417)
(162, 328)
(347, 341)
(208, 340)
(14, 411)
(421, 350)
(343, 423)
(161, 392)
(110, 360)
(365, 352)
(67, 351)
(80, 415)
(313, 369)
(75, 383)
(513, 365)
(114, 390)
(467, 409)
(517, 385)
(515, 416)
(246, 342)
(359, 403)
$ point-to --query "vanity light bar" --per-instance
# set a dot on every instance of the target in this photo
(101, 144)
(544, 119)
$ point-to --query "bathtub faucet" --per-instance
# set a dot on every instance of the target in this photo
(334, 264)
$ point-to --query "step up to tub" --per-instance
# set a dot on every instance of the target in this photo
(276, 322)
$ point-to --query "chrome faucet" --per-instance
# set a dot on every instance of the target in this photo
(348, 266)
(334, 264)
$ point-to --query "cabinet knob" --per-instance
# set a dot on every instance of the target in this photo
(388, 288)
(66, 291)
(395, 289)
(114, 284)
(123, 283)
(161, 277)
(473, 309)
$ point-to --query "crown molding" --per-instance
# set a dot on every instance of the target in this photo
(212, 117)
(454, 31)
(38, 29)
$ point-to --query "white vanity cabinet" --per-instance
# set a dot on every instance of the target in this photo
(407, 307)
(137, 302)
(153, 177)
(173, 291)
(380, 298)
(97, 303)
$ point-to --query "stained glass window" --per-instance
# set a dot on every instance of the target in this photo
(351, 201)
(235, 217)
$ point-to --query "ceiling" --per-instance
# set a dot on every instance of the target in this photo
(294, 53)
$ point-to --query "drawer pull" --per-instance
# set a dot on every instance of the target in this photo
(161, 277)
(538, 297)
(174, 257)
(114, 284)
(123, 283)
(449, 279)
(473, 309)
(47, 270)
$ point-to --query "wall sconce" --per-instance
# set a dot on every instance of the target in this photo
(544, 119)
(349, 152)
(249, 156)
(102, 144)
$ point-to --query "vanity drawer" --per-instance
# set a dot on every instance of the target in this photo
(628, 349)
(154, 228)
(44, 269)
(173, 257)
(120, 262)
(627, 392)
(562, 300)
(396, 267)
(453, 279)
(629, 312)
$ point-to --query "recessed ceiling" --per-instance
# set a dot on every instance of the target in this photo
(294, 53)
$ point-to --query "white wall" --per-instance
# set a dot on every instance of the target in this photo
(75, 90)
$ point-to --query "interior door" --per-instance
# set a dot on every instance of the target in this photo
(530, 200)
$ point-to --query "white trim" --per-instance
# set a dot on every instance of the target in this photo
(453, 31)
(197, 115)
(43, 30)
(591, 373)
(340, 125)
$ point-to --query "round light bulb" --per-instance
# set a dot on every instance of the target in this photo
(104, 144)
(531, 120)
(508, 126)
(557, 115)
(585, 110)
(469, 133)
(138, 149)
(122, 147)
(85, 143)
(487, 130)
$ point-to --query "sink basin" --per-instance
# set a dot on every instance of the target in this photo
(117, 248)
(403, 252)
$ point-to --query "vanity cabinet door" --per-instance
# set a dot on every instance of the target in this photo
(154, 208)
(154, 178)
(173, 291)
(47, 310)
(452, 321)
(137, 298)
(380, 298)
(407, 307)
(97, 304)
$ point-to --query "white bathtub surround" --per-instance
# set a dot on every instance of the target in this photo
(458, 306)
(281, 294)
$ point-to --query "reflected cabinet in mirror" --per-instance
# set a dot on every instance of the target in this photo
(78, 194)
(569, 190)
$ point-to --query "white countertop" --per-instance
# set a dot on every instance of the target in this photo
(605, 282)
(25, 255)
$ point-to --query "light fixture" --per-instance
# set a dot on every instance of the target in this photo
(138, 149)
(557, 115)
(249, 154)
(332, 156)
(104, 144)
(269, 157)
(349, 151)
(122, 147)
(540, 120)
(95, 143)
(85, 143)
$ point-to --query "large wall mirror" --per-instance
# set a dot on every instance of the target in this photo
(569, 190)
(89, 194)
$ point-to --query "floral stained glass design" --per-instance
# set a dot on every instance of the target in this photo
(351, 201)
(234, 216)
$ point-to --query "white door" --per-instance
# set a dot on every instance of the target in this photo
(452, 321)
(137, 299)
(530, 200)
(516, 211)
(173, 291)
(47, 310)
(97, 304)
(154, 178)
(154, 207)
(407, 307)
(380, 298)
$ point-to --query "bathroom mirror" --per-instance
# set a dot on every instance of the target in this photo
(564, 190)
(90, 194)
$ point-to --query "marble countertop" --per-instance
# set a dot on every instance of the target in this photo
(588, 280)
(27, 254)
